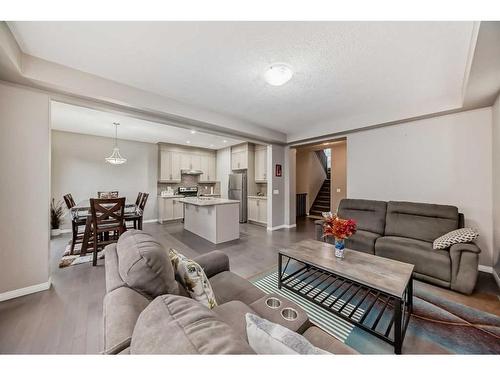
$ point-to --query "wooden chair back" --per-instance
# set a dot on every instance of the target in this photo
(108, 214)
(70, 203)
(107, 194)
(138, 200)
(144, 199)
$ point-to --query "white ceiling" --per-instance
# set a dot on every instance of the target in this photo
(82, 120)
(347, 74)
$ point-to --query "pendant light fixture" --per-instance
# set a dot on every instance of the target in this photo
(116, 158)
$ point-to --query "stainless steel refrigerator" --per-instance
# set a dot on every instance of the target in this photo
(238, 190)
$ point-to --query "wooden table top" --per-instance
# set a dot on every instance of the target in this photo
(388, 275)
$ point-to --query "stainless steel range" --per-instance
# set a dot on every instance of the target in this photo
(188, 191)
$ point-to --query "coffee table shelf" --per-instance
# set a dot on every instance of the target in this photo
(381, 313)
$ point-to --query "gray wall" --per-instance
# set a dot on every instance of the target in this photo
(444, 160)
(24, 188)
(79, 168)
(276, 202)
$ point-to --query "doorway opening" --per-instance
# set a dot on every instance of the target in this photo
(321, 177)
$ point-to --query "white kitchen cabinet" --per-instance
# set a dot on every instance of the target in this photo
(176, 166)
(169, 209)
(185, 160)
(239, 157)
(211, 168)
(178, 210)
(169, 170)
(257, 210)
(204, 168)
(253, 213)
(260, 163)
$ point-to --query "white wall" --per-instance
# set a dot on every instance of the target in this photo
(24, 190)
(223, 169)
(442, 160)
(79, 168)
(496, 183)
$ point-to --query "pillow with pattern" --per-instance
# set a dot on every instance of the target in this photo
(193, 278)
(462, 235)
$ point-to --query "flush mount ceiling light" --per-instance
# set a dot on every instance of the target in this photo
(278, 74)
(116, 158)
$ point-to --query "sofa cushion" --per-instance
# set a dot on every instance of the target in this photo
(144, 265)
(420, 221)
(233, 313)
(368, 214)
(113, 279)
(228, 286)
(362, 241)
(323, 340)
(179, 325)
(193, 279)
(427, 261)
(266, 337)
(121, 308)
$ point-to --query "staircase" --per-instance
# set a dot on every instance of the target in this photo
(322, 202)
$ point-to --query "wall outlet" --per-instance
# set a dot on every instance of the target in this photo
(276, 191)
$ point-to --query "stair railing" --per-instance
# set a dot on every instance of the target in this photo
(323, 159)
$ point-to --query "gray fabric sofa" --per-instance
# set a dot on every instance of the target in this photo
(405, 231)
(147, 311)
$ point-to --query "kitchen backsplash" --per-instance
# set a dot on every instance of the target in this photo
(191, 180)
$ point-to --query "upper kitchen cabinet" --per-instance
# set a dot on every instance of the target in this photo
(260, 163)
(207, 165)
(240, 156)
(175, 158)
(169, 166)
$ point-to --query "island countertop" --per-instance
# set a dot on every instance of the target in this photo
(206, 201)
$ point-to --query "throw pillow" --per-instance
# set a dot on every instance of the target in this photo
(266, 337)
(462, 235)
(193, 278)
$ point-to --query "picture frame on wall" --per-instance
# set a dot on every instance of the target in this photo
(278, 170)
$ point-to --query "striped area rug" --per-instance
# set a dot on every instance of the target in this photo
(327, 321)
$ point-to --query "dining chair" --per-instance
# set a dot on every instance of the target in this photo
(76, 223)
(107, 217)
(136, 217)
(107, 194)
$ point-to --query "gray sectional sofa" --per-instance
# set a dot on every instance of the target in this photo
(147, 311)
(405, 231)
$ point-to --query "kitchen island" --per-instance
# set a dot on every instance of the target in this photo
(214, 219)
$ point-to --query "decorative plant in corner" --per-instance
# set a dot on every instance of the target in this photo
(340, 229)
(56, 214)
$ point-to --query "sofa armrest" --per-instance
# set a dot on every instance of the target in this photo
(470, 247)
(213, 262)
(464, 264)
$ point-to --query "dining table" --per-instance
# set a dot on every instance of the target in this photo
(82, 211)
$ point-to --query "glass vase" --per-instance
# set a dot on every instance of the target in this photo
(339, 247)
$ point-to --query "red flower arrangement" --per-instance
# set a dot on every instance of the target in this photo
(334, 226)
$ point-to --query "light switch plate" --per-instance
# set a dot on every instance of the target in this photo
(276, 191)
(338, 190)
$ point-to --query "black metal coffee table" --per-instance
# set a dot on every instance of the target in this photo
(371, 292)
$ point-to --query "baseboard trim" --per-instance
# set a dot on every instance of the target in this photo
(65, 231)
(151, 221)
(284, 226)
(25, 291)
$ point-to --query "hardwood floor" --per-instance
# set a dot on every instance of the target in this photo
(68, 317)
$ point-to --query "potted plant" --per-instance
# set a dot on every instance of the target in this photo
(338, 228)
(56, 213)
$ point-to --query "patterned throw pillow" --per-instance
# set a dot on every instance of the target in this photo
(193, 279)
(462, 235)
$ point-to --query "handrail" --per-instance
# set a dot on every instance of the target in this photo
(323, 160)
